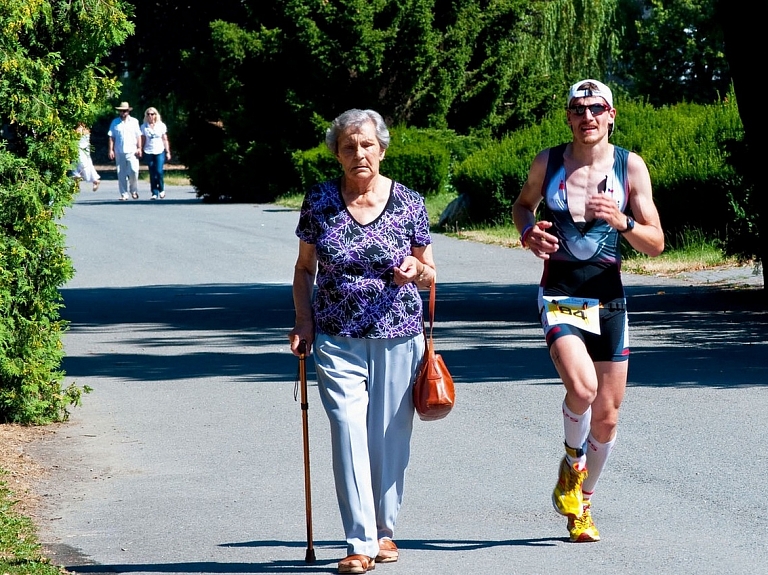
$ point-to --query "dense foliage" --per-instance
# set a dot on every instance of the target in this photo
(686, 148)
(49, 79)
(245, 84)
(422, 159)
(259, 81)
(674, 51)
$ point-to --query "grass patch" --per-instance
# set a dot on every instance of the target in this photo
(676, 261)
(20, 552)
(692, 252)
(170, 177)
(501, 235)
(292, 201)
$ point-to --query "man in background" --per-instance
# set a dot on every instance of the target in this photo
(125, 149)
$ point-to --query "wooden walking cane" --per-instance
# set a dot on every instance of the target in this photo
(310, 556)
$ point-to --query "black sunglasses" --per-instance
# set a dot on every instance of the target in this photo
(595, 109)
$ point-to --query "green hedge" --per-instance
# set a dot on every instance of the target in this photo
(690, 150)
(493, 176)
(50, 80)
(686, 148)
(420, 159)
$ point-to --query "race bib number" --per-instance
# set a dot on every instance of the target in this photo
(577, 311)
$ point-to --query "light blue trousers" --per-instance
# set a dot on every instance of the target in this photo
(366, 390)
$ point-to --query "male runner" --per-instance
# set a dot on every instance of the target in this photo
(589, 188)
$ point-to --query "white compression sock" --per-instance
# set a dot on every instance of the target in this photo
(576, 431)
(597, 455)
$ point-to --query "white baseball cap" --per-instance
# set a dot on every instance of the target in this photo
(600, 90)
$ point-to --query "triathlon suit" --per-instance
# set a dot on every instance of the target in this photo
(586, 265)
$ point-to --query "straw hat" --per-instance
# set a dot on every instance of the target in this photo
(123, 106)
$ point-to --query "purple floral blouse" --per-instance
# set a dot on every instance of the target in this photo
(356, 294)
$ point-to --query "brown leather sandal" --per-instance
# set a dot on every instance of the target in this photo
(388, 552)
(357, 564)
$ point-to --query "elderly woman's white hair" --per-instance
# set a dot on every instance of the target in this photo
(356, 118)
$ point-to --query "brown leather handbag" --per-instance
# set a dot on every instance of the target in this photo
(433, 390)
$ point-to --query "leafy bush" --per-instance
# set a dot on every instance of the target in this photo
(49, 81)
(315, 165)
(492, 177)
(686, 148)
(420, 159)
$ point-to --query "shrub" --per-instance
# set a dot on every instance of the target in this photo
(49, 80)
(315, 165)
(686, 148)
(419, 159)
(492, 177)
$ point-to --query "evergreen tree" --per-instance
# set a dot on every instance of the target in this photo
(49, 80)
(264, 79)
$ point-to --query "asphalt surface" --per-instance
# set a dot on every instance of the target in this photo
(187, 455)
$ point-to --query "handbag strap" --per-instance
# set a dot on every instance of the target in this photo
(431, 312)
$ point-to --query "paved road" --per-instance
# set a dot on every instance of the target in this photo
(187, 458)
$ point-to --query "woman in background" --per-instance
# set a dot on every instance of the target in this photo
(85, 170)
(156, 148)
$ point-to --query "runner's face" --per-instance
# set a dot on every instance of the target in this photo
(591, 126)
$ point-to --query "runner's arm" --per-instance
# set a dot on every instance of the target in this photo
(533, 234)
(647, 236)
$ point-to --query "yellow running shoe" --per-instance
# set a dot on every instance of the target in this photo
(583, 529)
(566, 496)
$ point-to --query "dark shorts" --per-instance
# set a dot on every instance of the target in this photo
(611, 344)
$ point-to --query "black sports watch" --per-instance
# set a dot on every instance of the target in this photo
(630, 226)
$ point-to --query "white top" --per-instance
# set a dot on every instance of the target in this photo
(126, 134)
(153, 137)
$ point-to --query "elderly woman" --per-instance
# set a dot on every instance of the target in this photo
(365, 239)
(157, 149)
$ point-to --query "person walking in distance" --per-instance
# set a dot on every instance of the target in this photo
(85, 170)
(156, 148)
(125, 149)
(593, 193)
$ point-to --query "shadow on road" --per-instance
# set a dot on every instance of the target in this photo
(74, 561)
(680, 336)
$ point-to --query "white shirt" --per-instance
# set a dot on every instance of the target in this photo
(153, 137)
(126, 134)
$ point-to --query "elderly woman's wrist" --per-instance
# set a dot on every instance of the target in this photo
(424, 274)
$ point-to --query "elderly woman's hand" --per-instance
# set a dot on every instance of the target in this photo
(408, 271)
(302, 332)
